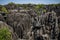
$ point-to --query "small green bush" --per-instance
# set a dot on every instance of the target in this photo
(3, 9)
(5, 34)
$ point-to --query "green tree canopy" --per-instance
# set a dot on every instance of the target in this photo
(11, 3)
(39, 6)
(3, 9)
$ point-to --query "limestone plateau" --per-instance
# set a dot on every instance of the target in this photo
(31, 22)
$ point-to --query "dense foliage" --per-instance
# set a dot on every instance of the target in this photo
(5, 34)
(4, 10)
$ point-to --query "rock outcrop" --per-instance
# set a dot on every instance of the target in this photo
(30, 26)
(4, 25)
(20, 22)
(45, 27)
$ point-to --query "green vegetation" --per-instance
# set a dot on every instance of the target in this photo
(5, 34)
(3, 9)
(54, 4)
(44, 10)
(11, 3)
(38, 8)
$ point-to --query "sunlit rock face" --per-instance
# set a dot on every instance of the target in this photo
(45, 27)
(26, 24)
(30, 26)
(20, 22)
(54, 8)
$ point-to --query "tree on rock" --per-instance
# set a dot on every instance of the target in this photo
(3, 9)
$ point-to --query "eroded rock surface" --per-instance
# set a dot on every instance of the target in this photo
(28, 25)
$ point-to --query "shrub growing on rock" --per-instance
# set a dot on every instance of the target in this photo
(5, 34)
(3, 9)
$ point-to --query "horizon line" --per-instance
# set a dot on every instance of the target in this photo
(30, 3)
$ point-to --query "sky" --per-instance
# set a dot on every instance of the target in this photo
(30, 1)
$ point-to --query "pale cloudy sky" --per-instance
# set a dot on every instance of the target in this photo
(30, 1)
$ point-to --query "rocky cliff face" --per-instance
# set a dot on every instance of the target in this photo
(28, 25)
(48, 26)
(20, 22)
